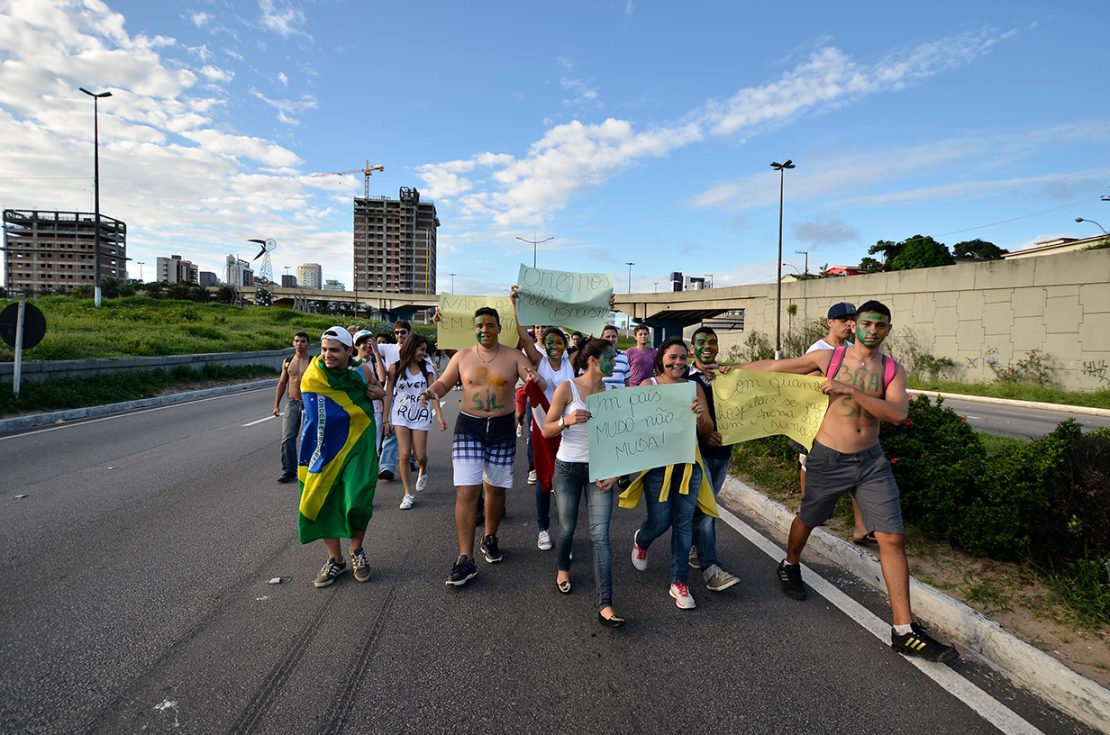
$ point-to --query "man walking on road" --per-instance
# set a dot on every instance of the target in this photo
(484, 445)
(338, 469)
(619, 378)
(291, 371)
(864, 387)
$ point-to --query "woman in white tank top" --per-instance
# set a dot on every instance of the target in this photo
(568, 417)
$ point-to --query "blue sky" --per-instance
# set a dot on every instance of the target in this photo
(627, 130)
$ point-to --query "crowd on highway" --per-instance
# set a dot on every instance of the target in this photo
(361, 410)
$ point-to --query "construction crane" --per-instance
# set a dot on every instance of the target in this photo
(366, 171)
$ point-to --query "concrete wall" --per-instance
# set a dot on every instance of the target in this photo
(972, 313)
(56, 369)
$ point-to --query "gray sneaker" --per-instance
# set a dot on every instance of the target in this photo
(694, 563)
(359, 566)
(720, 580)
(329, 572)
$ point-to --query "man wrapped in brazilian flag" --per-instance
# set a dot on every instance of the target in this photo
(338, 467)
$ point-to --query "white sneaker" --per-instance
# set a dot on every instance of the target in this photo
(532, 477)
(406, 502)
(519, 430)
(421, 481)
(544, 541)
(639, 555)
(681, 595)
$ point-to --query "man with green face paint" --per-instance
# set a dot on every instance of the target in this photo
(703, 554)
(846, 458)
(618, 378)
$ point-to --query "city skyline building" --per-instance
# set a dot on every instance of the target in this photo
(175, 270)
(53, 251)
(238, 272)
(395, 243)
(310, 275)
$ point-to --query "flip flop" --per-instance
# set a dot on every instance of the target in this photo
(865, 540)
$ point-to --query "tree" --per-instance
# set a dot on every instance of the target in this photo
(920, 251)
(110, 287)
(888, 249)
(978, 250)
(226, 294)
(870, 265)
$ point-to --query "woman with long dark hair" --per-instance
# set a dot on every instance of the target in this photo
(408, 416)
(567, 418)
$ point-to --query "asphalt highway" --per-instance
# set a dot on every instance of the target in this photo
(1022, 422)
(136, 552)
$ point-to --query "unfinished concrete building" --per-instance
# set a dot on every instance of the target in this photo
(395, 244)
(51, 251)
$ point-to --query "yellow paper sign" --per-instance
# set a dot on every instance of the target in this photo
(751, 404)
(456, 325)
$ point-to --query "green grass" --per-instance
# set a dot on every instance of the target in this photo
(1016, 391)
(144, 327)
(113, 388)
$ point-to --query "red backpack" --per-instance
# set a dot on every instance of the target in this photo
(890, 367)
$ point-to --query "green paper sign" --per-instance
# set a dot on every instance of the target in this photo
(634, 429)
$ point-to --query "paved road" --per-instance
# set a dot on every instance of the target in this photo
(1019, 421)
(135, 600)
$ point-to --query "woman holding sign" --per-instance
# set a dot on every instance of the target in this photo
(674, 492)
(567, 418)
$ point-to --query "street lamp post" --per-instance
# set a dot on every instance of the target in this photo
(1096, 224)
(452, 282)
(141, 264)
(534, 243)
(96, 192)
(781, 168)
(805, 270)
(630, 264)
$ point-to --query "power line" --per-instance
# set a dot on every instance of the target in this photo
(1015, 219)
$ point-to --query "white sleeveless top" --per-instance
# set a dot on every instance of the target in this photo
(407, 409)
(575, 444)
(552, 377)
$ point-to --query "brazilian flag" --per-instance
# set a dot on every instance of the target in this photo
(338, 466)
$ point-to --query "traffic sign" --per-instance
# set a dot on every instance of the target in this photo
(34, 324)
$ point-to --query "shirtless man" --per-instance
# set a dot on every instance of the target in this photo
(846, 457)
(291, 371)
(485, 439)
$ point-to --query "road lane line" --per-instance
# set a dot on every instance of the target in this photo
(259, 421)
(986, 706)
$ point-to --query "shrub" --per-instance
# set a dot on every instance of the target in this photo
(1036, 368)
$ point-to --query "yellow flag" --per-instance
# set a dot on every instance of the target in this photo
(752, 404)
(456, 326)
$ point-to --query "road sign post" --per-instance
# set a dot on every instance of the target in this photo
(21, 325)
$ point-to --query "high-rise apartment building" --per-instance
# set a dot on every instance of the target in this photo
(310, 275)
(395, 244)
(175, 270)
(288, 281)
(237, 272)
(49, 251)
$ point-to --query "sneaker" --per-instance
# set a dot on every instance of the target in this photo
(287, 477)
(639, 555)
(385, 475)
(790, 575)
(406, 502)
(681, 594)
(920, 644)
(720, 580)
(329, 572)
(544, 541)
(694, 563)
(519, 431)
(422, 481)
(490, 550)
(463, 571)
(359, 567)
(531, 477)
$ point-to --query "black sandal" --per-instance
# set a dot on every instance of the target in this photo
(615, 621)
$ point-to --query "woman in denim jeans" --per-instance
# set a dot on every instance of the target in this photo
(686, 485)
(568, 417)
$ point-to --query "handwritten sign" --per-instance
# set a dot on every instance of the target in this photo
(456, 325)
(752, 404)
(578, 301)
(634, 429)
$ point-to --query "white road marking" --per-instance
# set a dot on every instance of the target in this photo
(983, 704)
(259, 421)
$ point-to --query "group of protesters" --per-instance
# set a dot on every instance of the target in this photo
(360, 391)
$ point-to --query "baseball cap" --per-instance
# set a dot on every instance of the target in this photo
(843, 310)
(362, 334)
(339, 334)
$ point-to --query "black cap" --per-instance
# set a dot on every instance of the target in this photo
(843, 310)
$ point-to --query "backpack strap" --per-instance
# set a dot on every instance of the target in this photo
(890, 367)
(835, 362)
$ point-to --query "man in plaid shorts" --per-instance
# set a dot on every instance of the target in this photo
(485, 438)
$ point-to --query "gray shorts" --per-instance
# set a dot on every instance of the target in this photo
(866, 474)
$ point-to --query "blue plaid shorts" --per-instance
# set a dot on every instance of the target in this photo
(483, 450)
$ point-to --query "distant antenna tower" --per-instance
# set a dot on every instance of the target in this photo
(264, 295)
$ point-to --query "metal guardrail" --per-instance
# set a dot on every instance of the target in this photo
(58, 369)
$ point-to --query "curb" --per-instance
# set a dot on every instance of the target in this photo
(1021, 663)
(1062, 408)
(20, 423)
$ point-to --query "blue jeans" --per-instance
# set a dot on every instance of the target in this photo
(677, 513)
(290, 428)
(388, 460)
(705, 528)
(570, 483)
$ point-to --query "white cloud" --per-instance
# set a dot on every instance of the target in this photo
(283, 79)
(200, 19)
(825, 231)
(283, 19)
(215, 74)
(286, 109)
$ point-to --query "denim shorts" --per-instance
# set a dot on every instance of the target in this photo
(866, 474)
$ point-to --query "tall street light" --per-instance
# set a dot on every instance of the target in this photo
(96, 191)
(141, 264)
(1096, 224)
(781, 168)
(630, 264)
(534, 243)
(452, 282)
(805, 253)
